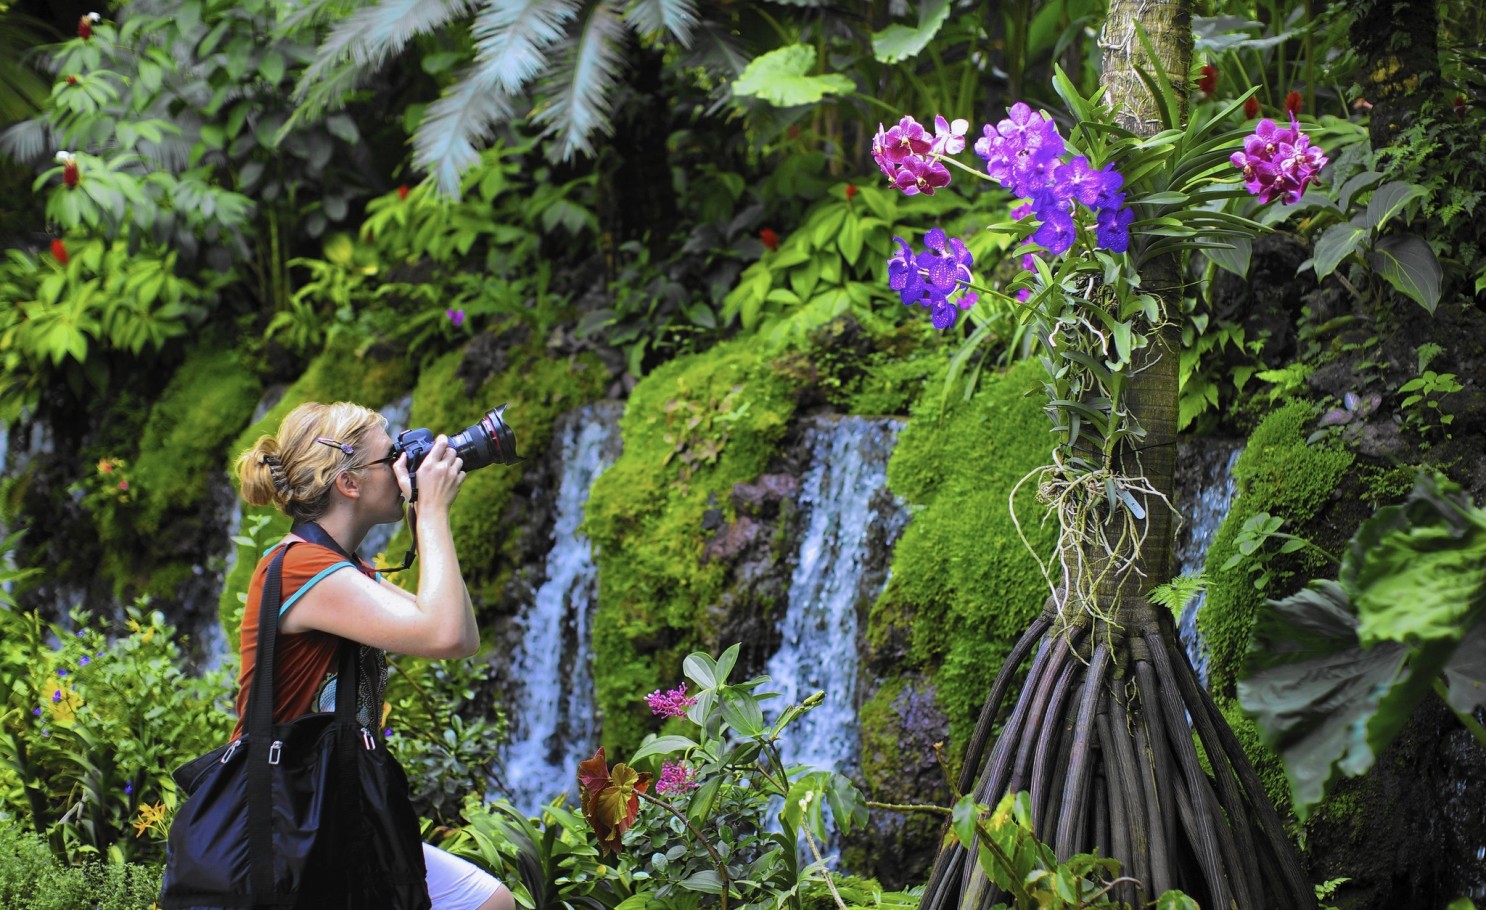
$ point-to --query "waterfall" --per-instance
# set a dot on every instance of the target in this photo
(846, 509)
(552, 713)
(1204, 493)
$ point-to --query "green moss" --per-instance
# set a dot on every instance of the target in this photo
(691, 430)
(963, 587)
(880, 731)
(1280, 474)
(185, 440)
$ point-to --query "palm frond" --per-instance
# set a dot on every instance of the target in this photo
(28, 141)
(512, 38)
(575, 111)
(362, 42)
(717, 50)
(444, 144)
(654, 17)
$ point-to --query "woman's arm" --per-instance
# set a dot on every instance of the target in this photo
(439, 621)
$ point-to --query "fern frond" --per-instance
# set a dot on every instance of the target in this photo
(1180, 592)
(361, 43)
(654, 17)
(575, 110)
(28, 141)
(512, 38)
(444, 144)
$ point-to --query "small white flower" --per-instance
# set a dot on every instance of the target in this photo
(64, 157)
(95, 17)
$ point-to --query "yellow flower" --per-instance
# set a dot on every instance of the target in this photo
(150, 818)
(65, 703)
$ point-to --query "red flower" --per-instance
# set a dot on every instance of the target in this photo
(1292, 103)
(72, 80)
(1250, 108)
(610, 800)
(1460, 105)
(1208, 81)
(59, 251)
(85, 25)
(123, 484)
(851, 191)
(769, 239)
(402, 191)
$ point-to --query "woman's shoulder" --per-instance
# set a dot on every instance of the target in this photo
(304, 559)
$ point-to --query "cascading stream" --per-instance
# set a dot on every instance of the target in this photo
(1204, 493)
(552, 710)
(851, 522)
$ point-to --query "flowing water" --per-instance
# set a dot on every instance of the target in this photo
(1204, 493)
(851, 523)
(552, 714)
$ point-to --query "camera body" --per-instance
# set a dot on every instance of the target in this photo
(486, 442)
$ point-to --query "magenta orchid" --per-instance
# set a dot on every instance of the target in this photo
(1279, 163)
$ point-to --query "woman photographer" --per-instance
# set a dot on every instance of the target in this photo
(332, 469)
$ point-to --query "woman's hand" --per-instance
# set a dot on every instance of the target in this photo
(440, 475)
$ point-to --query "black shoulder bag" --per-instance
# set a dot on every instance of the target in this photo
(310, 814)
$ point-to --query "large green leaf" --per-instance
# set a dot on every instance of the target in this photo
(1334, 671)
(1417, 571)
(1317, 695)
(897, 43)
(1409, 265)
(779, 77)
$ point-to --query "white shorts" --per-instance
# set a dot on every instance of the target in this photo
(454, 883)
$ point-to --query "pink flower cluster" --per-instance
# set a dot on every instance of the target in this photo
(676, 779)
(670, 704)
(909, 157)
(1278, 163)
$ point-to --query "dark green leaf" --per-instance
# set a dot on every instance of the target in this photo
(1465, 673)
(1408, 264)
(1335, 244)
(1389, 200)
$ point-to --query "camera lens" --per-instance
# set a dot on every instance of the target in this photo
(487, 442)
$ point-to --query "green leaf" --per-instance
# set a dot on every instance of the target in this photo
(1465, 673)
(726, 661)
(1320, 699)
(1235, 257)
(271, 67)
(741, 711)
(1408, 264)
(701, 669)
(897, 43)
(779, 77)
(1417, 571)
(705, 881)
(1175, 900)
(1389, 200)
(1335, 244)
(663, 745)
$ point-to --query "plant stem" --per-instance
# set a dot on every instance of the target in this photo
(1467, 719)
(910, 807)
(826, 873)
(722, 868)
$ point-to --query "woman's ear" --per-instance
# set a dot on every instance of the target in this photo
(347, 485)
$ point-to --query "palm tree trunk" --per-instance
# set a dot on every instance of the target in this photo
(1102, 730)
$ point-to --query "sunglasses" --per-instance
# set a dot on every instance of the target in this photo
(349, 449)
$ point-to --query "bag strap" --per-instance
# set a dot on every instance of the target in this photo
(261, 752)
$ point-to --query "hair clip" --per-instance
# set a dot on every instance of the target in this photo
(343, 446)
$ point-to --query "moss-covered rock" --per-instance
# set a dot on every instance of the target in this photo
(964, 586)
(692, 429)
(963, 589)
(1278, 473)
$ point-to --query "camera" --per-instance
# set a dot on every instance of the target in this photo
(489, 441)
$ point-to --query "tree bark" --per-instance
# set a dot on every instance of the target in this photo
(1398, 44)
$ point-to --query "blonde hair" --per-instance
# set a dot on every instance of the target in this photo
(293, 471)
